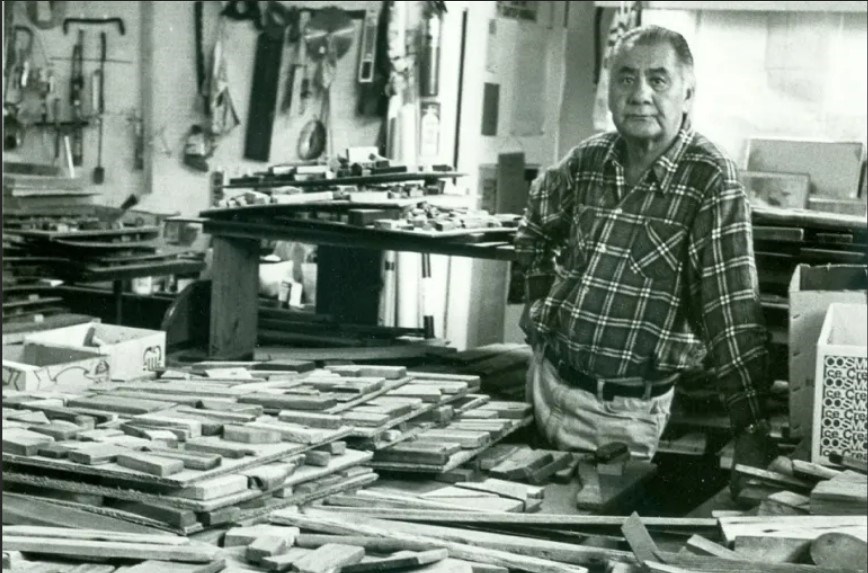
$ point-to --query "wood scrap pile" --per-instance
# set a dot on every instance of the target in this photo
(221, 442)
(796, 487)
(546, 543)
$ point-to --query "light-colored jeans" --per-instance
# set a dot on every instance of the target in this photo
(576, 420)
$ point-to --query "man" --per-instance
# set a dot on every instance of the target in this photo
(638, 258)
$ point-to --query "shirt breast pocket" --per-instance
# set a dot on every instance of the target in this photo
(658, 249)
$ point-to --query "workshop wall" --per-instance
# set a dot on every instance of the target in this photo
(756, 72)
(53, 49)
(177, 107)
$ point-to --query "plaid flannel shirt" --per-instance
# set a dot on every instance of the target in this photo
(639, 284)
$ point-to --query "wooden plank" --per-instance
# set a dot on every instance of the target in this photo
(170, 567)
(405, 561)
(285, 561)
(117, 404)
(23, 442)
(214, 488)
(504, 488)
(289, 401)
(173, 516)
(149, 464)
(251, 435)
(329, 522)
(27, 510)
(191, 460)
(808, 470)
(59, 430)
(774, 478)
(192, 552)
(265, 546)
(96, 454)
(466, 439)
(223, 448)
(637, 537)
(317, 458)
(772, 549)
(234, 291)
(310, 419)
(699, 563)
(328, 558)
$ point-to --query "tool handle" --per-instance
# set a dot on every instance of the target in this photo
(102, 56)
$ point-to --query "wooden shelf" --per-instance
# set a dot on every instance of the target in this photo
(840, 6)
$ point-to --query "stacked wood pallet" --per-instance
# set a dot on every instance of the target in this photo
(217, 442)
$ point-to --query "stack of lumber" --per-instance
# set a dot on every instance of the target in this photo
(502, 368)
(470, 429)
(396, 495)
(220, 442)
(100, 254)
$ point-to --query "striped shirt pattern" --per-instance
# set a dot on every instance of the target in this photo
(640, 284)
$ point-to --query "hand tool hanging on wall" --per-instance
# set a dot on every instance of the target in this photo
(99, 170)
(294, 38)
(16, 72)
(76, 92)
(266, 76)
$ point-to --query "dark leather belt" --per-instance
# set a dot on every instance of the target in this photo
(587, 383)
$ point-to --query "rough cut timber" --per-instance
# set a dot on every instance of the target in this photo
(328, 558)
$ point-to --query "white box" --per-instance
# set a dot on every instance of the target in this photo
(812, 290)
(130, 352)
(841, 388)
(37, 367)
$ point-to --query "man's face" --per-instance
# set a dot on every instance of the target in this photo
(648, 93)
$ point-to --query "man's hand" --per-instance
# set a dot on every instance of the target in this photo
(526, 324)
(755, 449)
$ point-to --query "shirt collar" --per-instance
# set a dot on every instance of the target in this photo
(665, 165)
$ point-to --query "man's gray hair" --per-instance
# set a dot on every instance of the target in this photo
(653, 35)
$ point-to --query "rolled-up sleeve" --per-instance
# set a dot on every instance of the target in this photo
(545, 227)
(725, 300)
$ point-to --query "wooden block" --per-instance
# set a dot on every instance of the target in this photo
(152, 566)
(286, 365)
(329, 557)
(808, 470)
(149, 464)
(495, 455)
(53, 451)
(193, 428)
(96, 454)
(285, 561)
(290, 401)
(172, 516)
(417, 452)
(311, 420)
(59, 430)
(219, 516)
(248, 435)
(248, 534)
(24, 443)
(295, 433)
(317, 458)
(214, 488)
(637, 537)
(265, 546)
(337, 448)
(404, 561)
(223, 448)
(28, 417)
(117, 404)
(99, 435)
(467, 440)
(387, 372)
(365, 419)
(426, 393)
(522, 463)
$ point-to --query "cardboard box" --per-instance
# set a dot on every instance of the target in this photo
(130, 352)
(812, 290)
(37, 367)
(841, 389)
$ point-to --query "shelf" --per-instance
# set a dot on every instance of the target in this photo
(259, 183)
(840, 6)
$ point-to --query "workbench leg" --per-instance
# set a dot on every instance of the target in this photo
(118, 292)
(234, 298)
